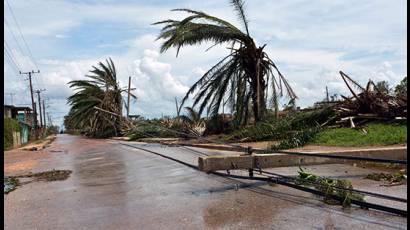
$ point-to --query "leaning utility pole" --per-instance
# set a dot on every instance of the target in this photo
(44, 114)
(177, 107)
(32, 100)
(129, 93)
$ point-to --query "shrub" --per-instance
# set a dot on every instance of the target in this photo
(10, 126)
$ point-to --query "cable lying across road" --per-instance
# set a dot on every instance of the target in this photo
(337, 187)
(245, 149)
(294, 179)
(279, 179)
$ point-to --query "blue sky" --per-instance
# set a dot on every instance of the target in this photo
(309, 40)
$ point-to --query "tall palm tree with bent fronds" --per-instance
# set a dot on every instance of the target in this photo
(243, 75)
(96, 105)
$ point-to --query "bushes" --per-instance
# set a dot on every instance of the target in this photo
(298, 139)
(10, 126)
(218, 125)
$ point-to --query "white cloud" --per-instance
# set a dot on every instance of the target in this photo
(61, 36)
(156, 85)
(311, 41)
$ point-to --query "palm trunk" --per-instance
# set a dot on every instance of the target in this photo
(259, 86)
(258, 99)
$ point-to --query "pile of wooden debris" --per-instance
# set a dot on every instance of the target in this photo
(369, 104)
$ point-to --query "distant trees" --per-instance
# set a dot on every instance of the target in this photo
(401, 88)
(52, 130)
(383, 86)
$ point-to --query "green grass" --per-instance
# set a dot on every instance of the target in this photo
(377, 134)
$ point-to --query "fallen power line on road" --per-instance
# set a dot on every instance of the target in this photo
(280, 179)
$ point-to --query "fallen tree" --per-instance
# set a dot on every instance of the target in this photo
(369, 104)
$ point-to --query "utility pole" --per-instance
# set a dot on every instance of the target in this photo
(32, 100)
(327, 95)
(48, 118)
(44, 114)
(129, 92)
(39, 105)
(177, 107)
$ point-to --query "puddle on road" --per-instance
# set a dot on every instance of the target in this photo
(12, 182)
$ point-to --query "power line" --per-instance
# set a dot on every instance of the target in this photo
(31, 58)
(10, 54)
(21, 34)
(14, 36)
(11, 63)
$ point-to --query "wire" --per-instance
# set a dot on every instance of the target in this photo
(294, 179)
(14, 36)
(10, 54)
(21, 34)
(280, 181)
(238, 147)
(11, 63)
(32, 60)
(337, 187)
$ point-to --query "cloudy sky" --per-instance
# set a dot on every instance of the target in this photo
(310, 40)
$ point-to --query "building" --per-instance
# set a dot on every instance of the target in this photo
(25, 117)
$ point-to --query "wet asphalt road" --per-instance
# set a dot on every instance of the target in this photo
(118, 187)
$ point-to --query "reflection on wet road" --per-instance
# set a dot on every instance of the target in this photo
(117, 187)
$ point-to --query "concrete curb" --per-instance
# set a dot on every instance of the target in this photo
(396, 152)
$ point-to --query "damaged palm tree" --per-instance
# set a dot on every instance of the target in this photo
(243, 76)
(193, 122)
(96, 105)
(369, 103)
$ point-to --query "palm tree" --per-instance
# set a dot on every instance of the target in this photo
(243, 76)
(96, 105)
(193, 121)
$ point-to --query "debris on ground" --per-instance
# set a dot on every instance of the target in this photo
(394, 179)
(11, 182)
(330, 187)
(52, 175)
(39, 144)
(369, 104)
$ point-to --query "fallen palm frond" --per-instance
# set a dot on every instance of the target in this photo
(330, 187)
(283, 128)
(392, 179)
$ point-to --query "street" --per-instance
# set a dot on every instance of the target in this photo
(113, 186)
